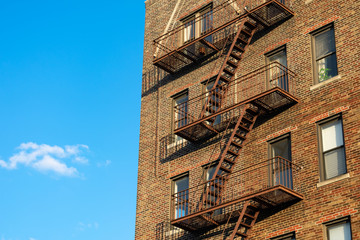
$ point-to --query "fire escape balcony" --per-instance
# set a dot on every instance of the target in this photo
(208, 33)
(274, 183)
(270, 88)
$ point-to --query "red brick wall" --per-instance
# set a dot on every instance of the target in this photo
(158, 161)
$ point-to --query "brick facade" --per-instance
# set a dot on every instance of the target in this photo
(160, 159)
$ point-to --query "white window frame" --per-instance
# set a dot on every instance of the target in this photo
(322, 153)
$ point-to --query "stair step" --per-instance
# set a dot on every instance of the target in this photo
(249, 216)
(239, 48)
(241, 234)
(236, 144)
(232, 153)
(244, 128)
(236, 56)
(251, 111)
(232, 63)
(210, 110)
(250, 25)
(253, 207)
(228, 160)
(243, 40)
(245, 225)
(240, 136)
(246, 32)
(228, 71)
(245, 119)
(225, 79)
(225, 169)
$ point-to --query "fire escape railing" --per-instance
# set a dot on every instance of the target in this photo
(251, 180)
(206, 33)
(248, 86)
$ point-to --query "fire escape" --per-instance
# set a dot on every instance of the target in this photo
(236, 103)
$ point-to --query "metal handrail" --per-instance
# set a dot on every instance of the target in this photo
(250, 84)
(264, 175)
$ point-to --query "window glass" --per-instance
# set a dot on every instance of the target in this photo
(206, 22)
(325, 54)
(332, 149)
(181, 196)
(332, 135)
(180, 113)
(280, 167)
(277, 73)
(340, 231)
(189, 30)
(325, 43)
(181, 110)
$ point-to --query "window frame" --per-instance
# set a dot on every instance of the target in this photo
(268, 55)
(197, 18)
(321, 153)
(285, 236)
(173, 104)
(339, 221)
(270, 156)
(315, 60)
(172, 204)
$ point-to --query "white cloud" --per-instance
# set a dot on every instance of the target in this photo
(101, 164)
(32, 238)
(84, 226)
(46, 158)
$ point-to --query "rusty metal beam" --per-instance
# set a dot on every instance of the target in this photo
(241, 199)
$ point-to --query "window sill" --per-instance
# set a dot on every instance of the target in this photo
(325, 82)
(177, 143)
(335, 179)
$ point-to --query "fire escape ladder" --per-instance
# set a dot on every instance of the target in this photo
(213, 194)
(228, 69)
(236, 141)
(245, 222)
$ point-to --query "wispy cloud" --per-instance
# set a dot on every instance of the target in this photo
(32, 238)
(104, 164)
(46, 158)
(84, 226)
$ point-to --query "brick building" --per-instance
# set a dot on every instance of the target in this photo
(250, 120)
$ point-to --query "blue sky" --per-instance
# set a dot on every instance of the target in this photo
(70, 88)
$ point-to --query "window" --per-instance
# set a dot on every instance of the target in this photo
(215, 191)
(189, 30)
(324, 54)
(338, 230)
(289, 236)
(332, 150)
(180, 189)
(277, 73)
(280, 155)
(198, 24)
(180, 111)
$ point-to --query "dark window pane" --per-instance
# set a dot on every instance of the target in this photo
(327, 67)
(325, 43)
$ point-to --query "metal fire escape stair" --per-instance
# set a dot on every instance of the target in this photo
(245, 221)
(228, 69)
(213, 193)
